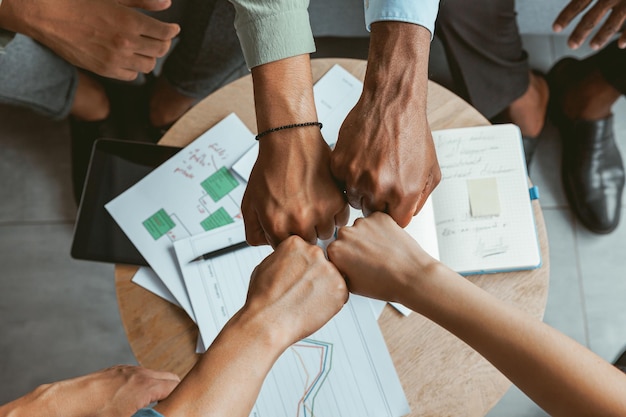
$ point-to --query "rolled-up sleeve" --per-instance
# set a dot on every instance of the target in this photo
(420, 12)
(270, 30)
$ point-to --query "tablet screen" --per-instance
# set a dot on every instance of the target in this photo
(114, 167)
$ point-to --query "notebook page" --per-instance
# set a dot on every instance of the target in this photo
(470, 243)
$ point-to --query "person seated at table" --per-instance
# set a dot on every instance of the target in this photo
(584, 93)
(380, 260)
(74, 57)
(493, 74)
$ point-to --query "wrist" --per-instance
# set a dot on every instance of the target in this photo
(293, 149)
(267, 334)
(421, 283)
(283, 93)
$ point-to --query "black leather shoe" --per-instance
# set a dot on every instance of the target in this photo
(592, 171)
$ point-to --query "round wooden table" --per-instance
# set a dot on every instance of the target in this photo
(441, 376)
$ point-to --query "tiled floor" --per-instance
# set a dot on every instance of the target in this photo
(59, 318)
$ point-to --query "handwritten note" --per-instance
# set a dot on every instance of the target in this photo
(502, 239)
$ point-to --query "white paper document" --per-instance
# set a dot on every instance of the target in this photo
(344, 369)
(192, 192)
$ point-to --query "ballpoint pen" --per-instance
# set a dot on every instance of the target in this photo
(221, 251)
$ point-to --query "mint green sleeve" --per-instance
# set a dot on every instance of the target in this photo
(270, 30)
(419, 12)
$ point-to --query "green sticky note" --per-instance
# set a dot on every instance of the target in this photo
(220, 184)
(483, 196)
(159, 224)
(217, 219)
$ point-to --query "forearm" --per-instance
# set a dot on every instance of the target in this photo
(39, 402)
(398, 64)
(283, 93)
(228, 377)
(556, 372)
(12, 15)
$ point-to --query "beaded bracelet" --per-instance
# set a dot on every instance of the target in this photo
(275, 129)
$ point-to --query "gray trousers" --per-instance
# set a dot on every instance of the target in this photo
(484, 51)
(487, 62)
(205, 56)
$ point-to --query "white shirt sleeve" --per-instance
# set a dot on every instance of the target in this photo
(419, 12)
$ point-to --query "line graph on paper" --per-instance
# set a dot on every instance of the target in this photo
(315, 358)
(300, 383)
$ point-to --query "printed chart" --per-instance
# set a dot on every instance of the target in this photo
(192, 192)
(343, 369)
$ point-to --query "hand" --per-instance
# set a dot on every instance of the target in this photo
(385, 153)
(291, 190)
(612, 25)
(119, 391)
(292, 293)
(378, 258)
(296, 290)
(107, 37)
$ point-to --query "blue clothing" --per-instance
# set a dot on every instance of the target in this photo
(419, 12)
(276, 29)
(147, 412)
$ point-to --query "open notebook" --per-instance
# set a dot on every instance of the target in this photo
(481, 215)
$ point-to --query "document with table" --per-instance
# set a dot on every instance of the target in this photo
(343, 369)
(479, 219)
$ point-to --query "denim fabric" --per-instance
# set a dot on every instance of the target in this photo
(147, 412)
(32, 76)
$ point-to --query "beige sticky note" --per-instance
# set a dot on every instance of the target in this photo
(483, 197)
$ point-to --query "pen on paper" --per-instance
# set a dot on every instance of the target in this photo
(221, 251)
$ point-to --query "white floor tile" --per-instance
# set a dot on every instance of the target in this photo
(540, 52)
(35, 178)
(58, 316)
(516, 404)
(545, 169)
(565, 308)
(603, 269)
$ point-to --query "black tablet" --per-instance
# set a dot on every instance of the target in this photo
(115, 166)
